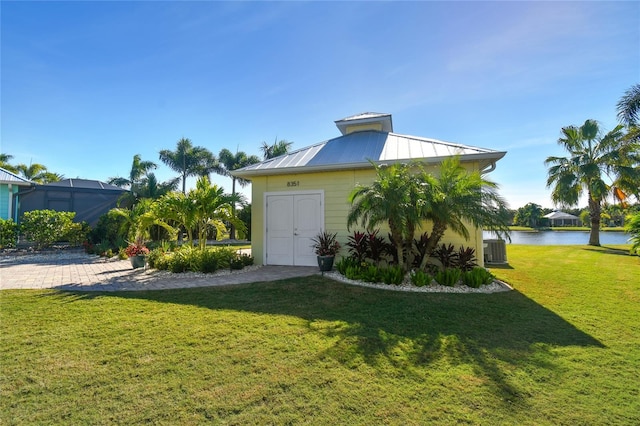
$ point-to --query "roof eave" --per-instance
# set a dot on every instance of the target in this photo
(490, 158)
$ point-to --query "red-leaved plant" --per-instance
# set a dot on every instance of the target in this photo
(136, 249)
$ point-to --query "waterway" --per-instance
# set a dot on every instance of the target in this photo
(548, 238)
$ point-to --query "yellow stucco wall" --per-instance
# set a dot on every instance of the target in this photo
(337, 186)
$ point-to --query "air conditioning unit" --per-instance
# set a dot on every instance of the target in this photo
(495, 251)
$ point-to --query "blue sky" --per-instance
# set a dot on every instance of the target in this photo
(87, 85)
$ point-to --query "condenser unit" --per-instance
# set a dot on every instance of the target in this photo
(495, 251)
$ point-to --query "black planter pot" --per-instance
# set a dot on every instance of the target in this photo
(325, 263)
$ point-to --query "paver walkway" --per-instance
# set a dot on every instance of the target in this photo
(81, 272)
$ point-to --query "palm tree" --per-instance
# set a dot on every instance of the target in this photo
(48, 177)
(591, 157)
(149, 187)
(213, 208)
(277, 149)
(388, 201)
(457, 196)
(176, 207)
(189, 160)
(139, 169)
(33, 172)
(629, 106)
(405, 197)
(633, 227)
(233, 162)
(4, 163)
(139, 219)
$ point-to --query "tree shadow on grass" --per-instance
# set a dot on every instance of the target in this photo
(494, 333)
(608, 250)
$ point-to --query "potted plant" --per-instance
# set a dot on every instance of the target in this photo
(326, 247)
(137, 253)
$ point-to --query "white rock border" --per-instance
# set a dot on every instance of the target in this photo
(496, 286)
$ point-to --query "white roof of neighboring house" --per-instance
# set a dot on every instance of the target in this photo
(357, 149)
(7, 177)
(560, 215)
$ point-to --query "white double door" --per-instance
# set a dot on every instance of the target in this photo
(291, 223)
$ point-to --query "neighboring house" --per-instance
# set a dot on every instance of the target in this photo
(10, 185)
(558, 218)
(89, 199)
(296, 195)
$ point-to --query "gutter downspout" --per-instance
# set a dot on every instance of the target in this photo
(491, 167)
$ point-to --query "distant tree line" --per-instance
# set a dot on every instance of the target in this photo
(532, 215)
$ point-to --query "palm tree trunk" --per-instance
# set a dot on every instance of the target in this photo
(594, 208)
(434, 239)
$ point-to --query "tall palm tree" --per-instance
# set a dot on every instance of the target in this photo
(231, 162)
(189, 160)
(593, 156)
(277, 149)
(4, 163)
(629, 106)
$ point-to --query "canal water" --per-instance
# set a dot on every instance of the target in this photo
(548, 238)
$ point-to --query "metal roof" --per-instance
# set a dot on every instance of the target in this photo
(83, 184)
(557, 214)
(356, 150)
(7, 177)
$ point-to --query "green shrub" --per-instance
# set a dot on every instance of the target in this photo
(108, 229)
(371, 274)
(448, 277)
(45, 227)
(122, 254)
(208, 261)
(247, 260)
(8, 233)
(77, 233)
(179, 261)
(420, 278)
(477, 277)
(392, 275)
(194, 259)
(153, 257)
(344, 263)
(236, 264)
(101, 248)
(353, 272)
(225, 255)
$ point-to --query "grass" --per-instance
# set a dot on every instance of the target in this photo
(563, 348)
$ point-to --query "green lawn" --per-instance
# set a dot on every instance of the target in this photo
(563, 348)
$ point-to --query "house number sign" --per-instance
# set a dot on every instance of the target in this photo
(293, 183)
